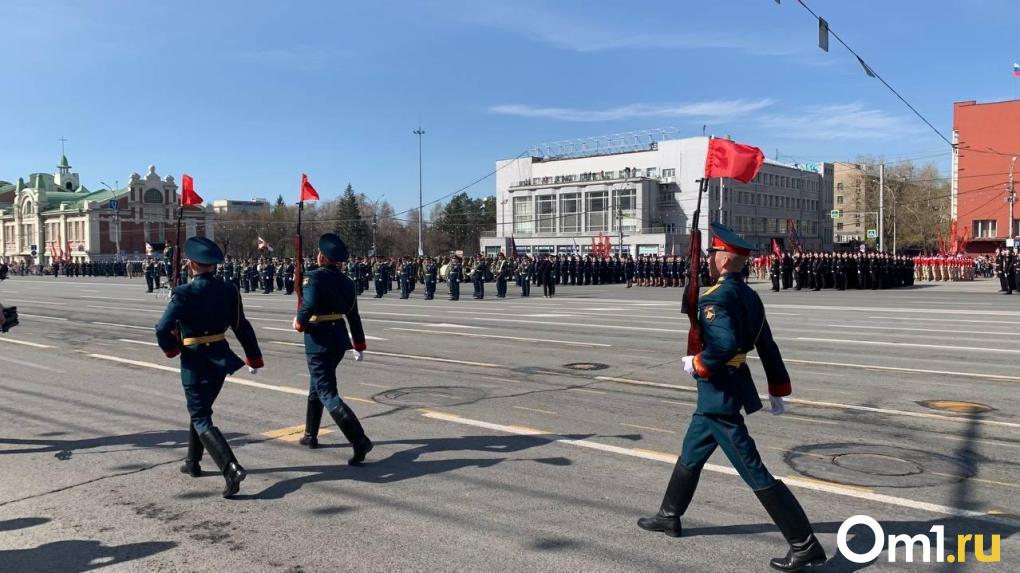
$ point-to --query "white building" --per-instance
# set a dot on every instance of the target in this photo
(559, 204)
(236, 206)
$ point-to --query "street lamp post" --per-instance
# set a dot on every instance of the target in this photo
(1011, 199)
(421, 246)
(116, 213)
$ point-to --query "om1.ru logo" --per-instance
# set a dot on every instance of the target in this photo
(977, 542)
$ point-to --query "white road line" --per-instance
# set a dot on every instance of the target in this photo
(31, 365)
(120, 298)
(296, 332)
(912, 319)
(142, 342)
(435, 325)
(834, 405)
(898, 369)
(364, 311)
(910, 345)
(39, 302)
(929, 311)
(41, 316)
(870, 327)
(671, 459)
(234, 379)
(131, 326)
(585, 325)
(132, 309)
(23, 342)
(435, 359)
(502, 337)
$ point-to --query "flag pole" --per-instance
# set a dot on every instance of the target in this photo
(177, 248)
(299, 263)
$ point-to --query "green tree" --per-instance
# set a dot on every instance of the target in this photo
(349, 224)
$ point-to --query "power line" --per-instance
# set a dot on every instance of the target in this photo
(824, 27)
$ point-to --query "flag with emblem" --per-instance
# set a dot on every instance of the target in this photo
(262, 244)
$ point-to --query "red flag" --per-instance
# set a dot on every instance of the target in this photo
(735, 160)
(188, 195)
(775, 248)
(308, 193)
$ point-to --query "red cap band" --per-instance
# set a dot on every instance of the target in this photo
(720, 245)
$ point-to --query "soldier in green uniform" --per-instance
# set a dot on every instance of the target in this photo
(733, 323)
(330, 303)
(194, 326)
(430, 275)
(454, 275)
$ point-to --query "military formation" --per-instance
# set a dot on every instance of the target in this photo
(1006, 268)
(816, 271)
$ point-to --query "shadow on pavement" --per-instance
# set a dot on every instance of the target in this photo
(22, 523)
(78, 555)
(405, 465)
(65, 449)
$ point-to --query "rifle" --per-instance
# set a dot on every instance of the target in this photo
(689, 305)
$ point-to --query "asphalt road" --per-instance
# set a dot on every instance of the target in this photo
(492, 452)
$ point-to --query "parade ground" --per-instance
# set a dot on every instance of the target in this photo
(510, 435)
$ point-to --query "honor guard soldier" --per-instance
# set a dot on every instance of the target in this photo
(775, 271)
(288, 277)
(379, 273)
(454, 274)
(406, 275)
(430, 274)
(500, 272)
(478, 277)
(194, 326)
(525, 272)
(329, 299)
(733, 323)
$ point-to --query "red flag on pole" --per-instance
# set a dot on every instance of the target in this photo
(734, 160)
(188, 195)
(308, 193)
(775, 248)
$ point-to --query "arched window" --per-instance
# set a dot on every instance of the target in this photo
(28, 208)
(69, 186)
(153, 196)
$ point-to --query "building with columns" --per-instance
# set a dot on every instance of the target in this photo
(645, 188)
(52, 216)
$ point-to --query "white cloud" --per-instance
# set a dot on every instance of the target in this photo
(841, 121)
(706, 110)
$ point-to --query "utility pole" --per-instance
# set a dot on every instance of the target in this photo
(881, 207)
(375, 223)
(1011, 199)
(619, 223)
(421, 216)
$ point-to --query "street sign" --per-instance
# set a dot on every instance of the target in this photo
(834, 213)
(863, 249)
(114, 204)
(872, 233)
(35, 250)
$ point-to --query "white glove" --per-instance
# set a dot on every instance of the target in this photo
(778, 405)
(358, 356)
(689, 364)
(253, 371)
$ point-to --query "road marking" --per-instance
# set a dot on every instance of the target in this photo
(568, 342)
(898, 369)
(834, 405)
(120, 298)
(39, 302)
(434, 359)
(982, 480)
(910, 345)
(941, 320)
(795, 481)
(232, 379)
(680, 403)
(661, 430)
(23, 342)
(998, 313)
(396, 314)
(296, 332)
(41, 316)
(589, 391)
(582, 325)
(437, 325)
(292, 434)
(533, 410)
(142, 342)
(30, 364)
(149, 328)
(869, 327)
(373, 385)
(101, 307)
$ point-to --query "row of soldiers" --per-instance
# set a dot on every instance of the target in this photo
(89, 268)
(839, 271)
(1006, 262)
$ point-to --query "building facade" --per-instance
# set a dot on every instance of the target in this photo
(51, 217)
(851, 189)
(564, 204)
(987, 138)
(235, 207)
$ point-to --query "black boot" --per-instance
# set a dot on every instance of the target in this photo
(354, 433)
(679, 493)
(313, 419)
(220, 452)
(785, 510)
(195, 450)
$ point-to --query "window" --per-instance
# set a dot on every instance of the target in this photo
(670, 228)
(626, 205)
(546, 207)
(69, 186)
(839, 186)
(669, 172)
(524, 215)
(839, 226)
(665, 198)
(570, 213)
(153, 196)
(984, 228)
(597, 212)
(651, 171)
(839, 199)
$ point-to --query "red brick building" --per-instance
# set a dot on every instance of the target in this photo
(988, 143)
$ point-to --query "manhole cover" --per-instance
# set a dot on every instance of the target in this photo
(419, 396)
(956, 406)
(877, 464)
(586, 366)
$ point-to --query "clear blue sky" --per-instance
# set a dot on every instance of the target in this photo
(246, 95)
